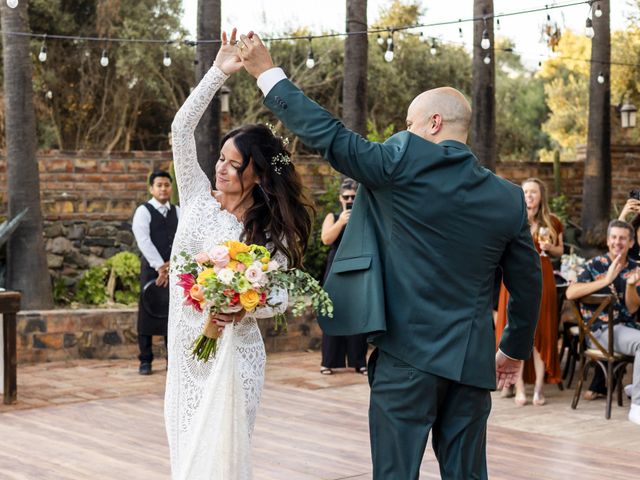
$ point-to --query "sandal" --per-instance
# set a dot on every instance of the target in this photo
(325, 371)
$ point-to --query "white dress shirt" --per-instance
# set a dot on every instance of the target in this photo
(268, 79)
(141, 230)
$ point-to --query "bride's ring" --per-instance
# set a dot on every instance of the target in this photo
(241, 46)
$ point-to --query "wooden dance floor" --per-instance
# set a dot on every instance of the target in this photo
(106, 423)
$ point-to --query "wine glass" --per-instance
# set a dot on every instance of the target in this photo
(544, 235)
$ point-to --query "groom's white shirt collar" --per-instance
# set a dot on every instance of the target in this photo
(268, 79)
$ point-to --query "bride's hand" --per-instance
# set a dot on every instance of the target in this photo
(227, 59)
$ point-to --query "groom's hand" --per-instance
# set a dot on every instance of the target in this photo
(507, 370)
(254, 54)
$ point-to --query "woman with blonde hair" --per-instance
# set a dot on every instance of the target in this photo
(546, 230)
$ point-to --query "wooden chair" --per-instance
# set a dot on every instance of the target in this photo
(612, 363)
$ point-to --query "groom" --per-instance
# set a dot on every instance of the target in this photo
(415, 269)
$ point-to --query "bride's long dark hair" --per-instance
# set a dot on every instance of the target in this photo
(281, 213)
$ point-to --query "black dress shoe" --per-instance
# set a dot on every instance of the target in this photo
(145, 369)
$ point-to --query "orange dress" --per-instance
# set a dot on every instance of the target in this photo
(546, 337)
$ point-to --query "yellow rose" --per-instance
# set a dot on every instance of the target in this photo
(204, 275)
(236, 248)
(249, 300)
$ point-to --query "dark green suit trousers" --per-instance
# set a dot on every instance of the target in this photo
(407, 403)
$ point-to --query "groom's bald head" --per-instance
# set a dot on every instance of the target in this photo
(440, 114)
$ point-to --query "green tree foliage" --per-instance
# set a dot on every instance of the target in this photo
(520, 107)
(130, 103)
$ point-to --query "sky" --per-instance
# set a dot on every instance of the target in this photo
(266, 16)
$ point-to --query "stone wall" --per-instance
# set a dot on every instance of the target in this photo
(55, 335)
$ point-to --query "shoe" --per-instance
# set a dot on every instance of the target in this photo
(362, 370)
(590, 395)
(507, 392)
(634, 414)
(520, 399)
(325, 371)
(628, 390)
(538, 399)
(145, 369)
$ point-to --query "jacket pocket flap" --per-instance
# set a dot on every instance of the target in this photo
(350, 264)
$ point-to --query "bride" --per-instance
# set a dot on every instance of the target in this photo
(210, 407)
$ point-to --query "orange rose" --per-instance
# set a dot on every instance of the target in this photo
(197, 293)
(249, 300)
(236, 248)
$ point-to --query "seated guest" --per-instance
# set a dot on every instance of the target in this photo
(615, 273)
(633, 207)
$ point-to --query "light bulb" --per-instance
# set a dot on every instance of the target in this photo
(485, 43)
(12, 3)
(423, 37)
(433, 50)
(487, 60)
(460, 32)
(598, 12)
(380, 40)
(389, 40)
(310, 62)
(104, 60)
(498, 23)
(588, 29)
(401, 36)
(166, 60)
(49, 95)
(600, 78)
(388, 55)
(42, 56)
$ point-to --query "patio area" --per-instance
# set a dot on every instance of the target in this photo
(101, 420)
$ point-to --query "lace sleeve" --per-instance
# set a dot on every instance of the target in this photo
(190, 178)
(278, 295)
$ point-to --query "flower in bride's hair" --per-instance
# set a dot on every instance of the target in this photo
(279, 161)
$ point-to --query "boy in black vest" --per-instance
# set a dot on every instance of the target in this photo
(154, 226)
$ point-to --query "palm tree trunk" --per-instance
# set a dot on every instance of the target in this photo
(26, 258)
(354, 86)
(208, 131)
(596, 193)
(483, 120)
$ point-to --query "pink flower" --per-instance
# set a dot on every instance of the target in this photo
(273, 265)
(219, 255)
(240, 267)
(202, 258)
(255, 275)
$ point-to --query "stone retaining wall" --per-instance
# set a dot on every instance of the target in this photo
(54, 335)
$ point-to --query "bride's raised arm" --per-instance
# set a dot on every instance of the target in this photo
(190, 178)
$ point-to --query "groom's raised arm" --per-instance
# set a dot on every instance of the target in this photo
(370, 163)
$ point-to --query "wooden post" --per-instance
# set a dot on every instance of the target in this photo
(9, 307)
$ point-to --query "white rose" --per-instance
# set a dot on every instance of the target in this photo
(225, 275)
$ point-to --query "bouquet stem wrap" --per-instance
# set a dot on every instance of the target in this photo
(207, 342)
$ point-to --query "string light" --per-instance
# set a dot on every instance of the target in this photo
(380, 40)
(423, 37)
(600, 78)
(310, 60)
(104, 59)
(42, 56)
(487, 59)
(485, 43)
(388, 55)
(12, 3)
(166, 59)
(598, 12)
(49, 95)
(460, 32)
(588, 29)
(497, 23)
(433, 50)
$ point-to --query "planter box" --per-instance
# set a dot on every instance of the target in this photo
(54, 335)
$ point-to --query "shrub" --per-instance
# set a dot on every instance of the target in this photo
(117, 280)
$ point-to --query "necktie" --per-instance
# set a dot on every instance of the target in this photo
(163, 209)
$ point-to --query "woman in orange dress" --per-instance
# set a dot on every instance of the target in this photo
(546, 230)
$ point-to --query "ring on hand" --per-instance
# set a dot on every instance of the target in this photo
(241, 45)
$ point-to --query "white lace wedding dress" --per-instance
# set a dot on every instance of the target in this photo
(210, 407)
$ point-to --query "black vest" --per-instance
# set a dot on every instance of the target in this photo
(162, 230)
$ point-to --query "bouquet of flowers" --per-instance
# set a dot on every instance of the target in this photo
(571, 266)
(235, 276)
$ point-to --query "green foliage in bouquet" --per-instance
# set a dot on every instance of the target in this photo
(304, 291)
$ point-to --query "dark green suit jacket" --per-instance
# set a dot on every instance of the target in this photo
(428, 229)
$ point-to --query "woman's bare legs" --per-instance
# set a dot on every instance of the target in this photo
(521, 396)
(538, 365)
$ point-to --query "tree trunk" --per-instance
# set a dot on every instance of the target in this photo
(208, 131)
(354, 86)
(596, 192)
(483, 119)
(26, 257)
